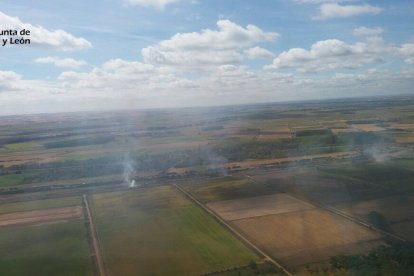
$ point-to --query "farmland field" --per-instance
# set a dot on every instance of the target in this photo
(41, 217)
(229, 187)
(257, 206)
(309, 236)
(367, 127)
(39, 204)
(55, 249)
(44, 237)
(14, 179)
(160, 232)
(398, 212)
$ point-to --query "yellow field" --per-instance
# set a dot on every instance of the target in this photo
(299, 238)
(257, 206)
(367, 127)
(295, 232)
(405, 138)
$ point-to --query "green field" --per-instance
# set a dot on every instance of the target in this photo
(157, 231)
(225, 188)
(57, 249)
(14, 179)
(395, 176)
(25, 146)
(40, 204)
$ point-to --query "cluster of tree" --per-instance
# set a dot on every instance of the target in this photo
(379, 221)
(272, 115)
(312, 132)
(80, 142)
(27, 138)
(309, 142)
(107, 165)
(361, 138)
(237, 150)
(396, 259)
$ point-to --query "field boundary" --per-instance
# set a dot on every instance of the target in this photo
(232, 230)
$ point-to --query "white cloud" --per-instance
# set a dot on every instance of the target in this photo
(190, 60)
(8, 80)
(258, 52)
(158, 4)
(199, 50)
(407, 51)
(62, 62)
(116, 74)
(229, 36)
(334, 10)
(333, 54)
(322, 1)
(364, 31)
(121, 84)
(39, 36)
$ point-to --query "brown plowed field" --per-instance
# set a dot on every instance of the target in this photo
(40, 217)
(367, 127)
(308, 236)
(257, 206)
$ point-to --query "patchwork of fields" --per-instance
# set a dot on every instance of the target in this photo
(37, 238)
(213, 189)
(295, 232)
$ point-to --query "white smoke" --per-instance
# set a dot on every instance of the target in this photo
(216, 162)
(132, 184)
(378, 153)
(129, 171)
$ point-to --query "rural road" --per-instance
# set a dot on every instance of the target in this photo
(236, 233)
(96, 249)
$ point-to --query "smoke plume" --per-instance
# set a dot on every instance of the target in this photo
(129, 171)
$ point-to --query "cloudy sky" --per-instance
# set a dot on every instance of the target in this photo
(114, 54)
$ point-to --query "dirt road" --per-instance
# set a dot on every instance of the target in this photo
(96, 248)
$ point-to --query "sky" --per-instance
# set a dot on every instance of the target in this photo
(127, 54)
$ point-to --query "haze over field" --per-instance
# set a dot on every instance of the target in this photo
(123, 54)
